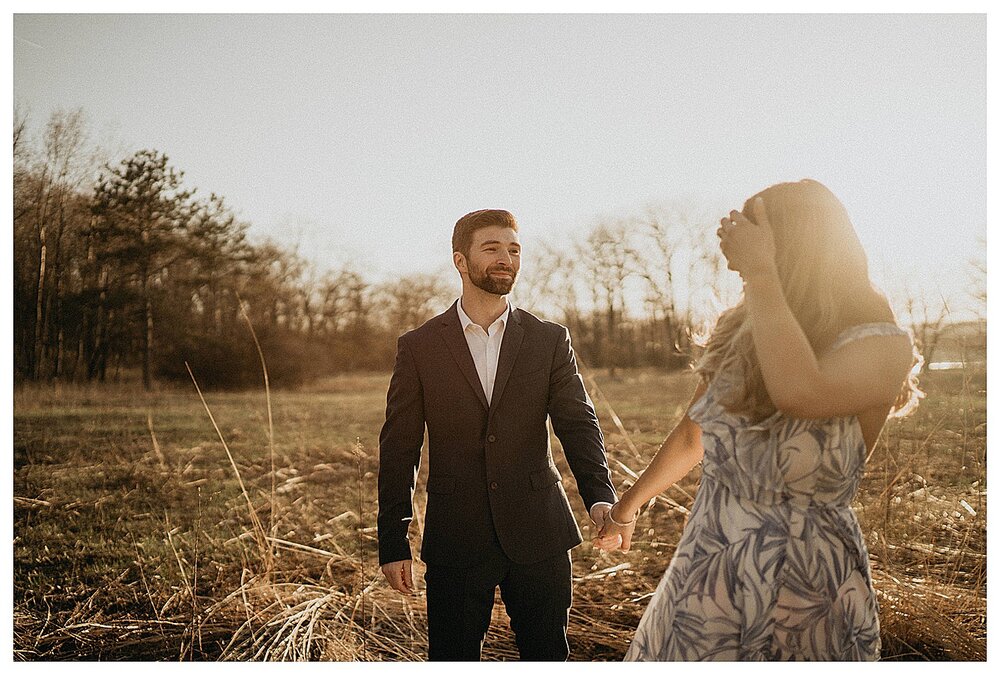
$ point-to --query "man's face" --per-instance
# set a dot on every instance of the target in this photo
(494, 259)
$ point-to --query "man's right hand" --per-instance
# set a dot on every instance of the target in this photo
(615, 534)
(400, 575)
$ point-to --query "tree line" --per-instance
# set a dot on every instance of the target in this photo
(121, 270)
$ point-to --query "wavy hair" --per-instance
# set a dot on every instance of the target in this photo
(824, 276)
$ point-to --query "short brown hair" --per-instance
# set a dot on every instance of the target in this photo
(461, 238)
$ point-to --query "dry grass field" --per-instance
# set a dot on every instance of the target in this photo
(139, 535)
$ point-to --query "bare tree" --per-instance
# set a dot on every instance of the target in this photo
(340, 295)
(548, 281)
(926, 317)
(671, 256)
(977, 279)
(47, 209)
(607, 259)
(66, 138)
(411, 300)
(21, 155)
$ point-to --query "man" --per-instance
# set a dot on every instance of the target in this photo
(483, 377)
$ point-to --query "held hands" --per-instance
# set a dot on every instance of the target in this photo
(599, 514)
(615, 532)
(400, 575)
(748, 244)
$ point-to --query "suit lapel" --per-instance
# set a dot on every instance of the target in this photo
(451, 331)
(513, 334)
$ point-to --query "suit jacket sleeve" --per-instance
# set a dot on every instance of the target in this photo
(399, 457)
(575, 424)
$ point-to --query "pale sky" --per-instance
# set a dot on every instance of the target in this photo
(362, 138)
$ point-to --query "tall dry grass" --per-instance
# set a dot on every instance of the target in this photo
(208, 580)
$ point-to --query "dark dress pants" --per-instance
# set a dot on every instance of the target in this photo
(537, 598)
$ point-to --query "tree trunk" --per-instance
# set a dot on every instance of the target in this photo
(612, 351)
(80, 347)
(57, 269)
(94, 366)
(39, 303)
(147, 336)
(57, 370)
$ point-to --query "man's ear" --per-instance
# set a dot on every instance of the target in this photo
(461, 264)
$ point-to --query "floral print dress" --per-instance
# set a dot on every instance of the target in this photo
(771, 564)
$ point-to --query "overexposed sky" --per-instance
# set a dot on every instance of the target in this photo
(362, 138)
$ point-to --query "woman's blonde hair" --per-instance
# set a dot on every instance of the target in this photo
(824, 275)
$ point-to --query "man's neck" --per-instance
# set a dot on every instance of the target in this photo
(482, 307)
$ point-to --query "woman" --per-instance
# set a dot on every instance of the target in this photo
(797, 381)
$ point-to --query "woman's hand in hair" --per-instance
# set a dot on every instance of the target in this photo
(748, 244)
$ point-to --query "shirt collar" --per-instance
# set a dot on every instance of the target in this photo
(466, 321)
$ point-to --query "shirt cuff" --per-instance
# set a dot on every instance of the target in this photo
(595, 505)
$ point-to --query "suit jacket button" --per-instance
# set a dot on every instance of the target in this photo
(491, 438)
(494, 485)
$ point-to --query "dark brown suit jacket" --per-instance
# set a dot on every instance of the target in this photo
(491, 466)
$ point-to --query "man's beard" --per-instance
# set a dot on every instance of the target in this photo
(496, 286)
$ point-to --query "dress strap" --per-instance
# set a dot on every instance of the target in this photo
(863, 330)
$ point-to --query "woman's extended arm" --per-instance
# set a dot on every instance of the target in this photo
(677, 455)
(860, 376)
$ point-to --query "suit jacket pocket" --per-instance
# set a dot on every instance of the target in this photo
(441, 483)
(544, 478)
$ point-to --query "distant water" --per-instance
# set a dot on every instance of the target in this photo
(952, 365)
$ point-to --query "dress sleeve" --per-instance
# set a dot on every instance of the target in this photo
(865, 330)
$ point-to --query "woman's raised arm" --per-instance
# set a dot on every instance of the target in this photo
(859, 376)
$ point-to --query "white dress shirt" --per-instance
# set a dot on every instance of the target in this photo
(485, 346)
